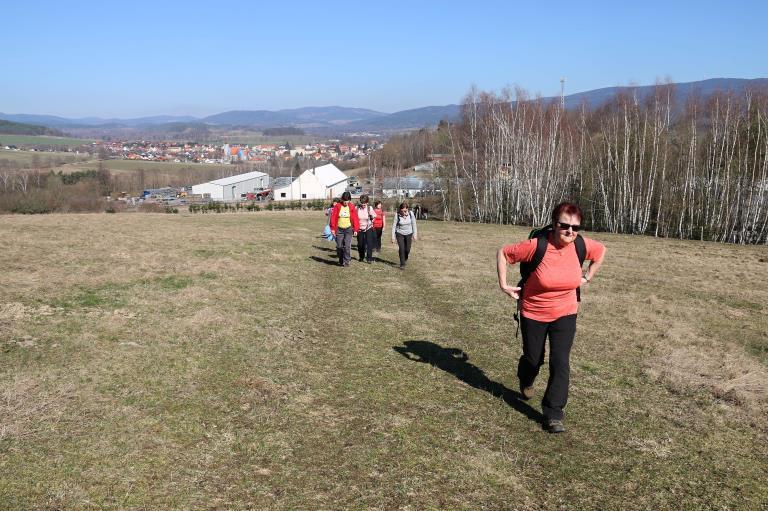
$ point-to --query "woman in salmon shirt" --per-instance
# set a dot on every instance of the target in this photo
(549, 306)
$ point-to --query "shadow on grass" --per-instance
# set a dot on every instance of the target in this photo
(326, 249)
(455, 362)
(384, 261)
(330, 262)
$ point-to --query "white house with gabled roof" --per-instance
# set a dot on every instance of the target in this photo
(324, 182)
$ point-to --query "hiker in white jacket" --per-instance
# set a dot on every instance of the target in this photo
(404, 231)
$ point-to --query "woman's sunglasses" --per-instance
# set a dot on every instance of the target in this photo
(565, 227)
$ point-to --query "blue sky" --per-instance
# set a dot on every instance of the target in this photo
(131, 59)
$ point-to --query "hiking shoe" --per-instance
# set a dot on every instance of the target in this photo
(527, 392)
(555, 426)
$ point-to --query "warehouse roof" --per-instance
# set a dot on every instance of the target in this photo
(237, 179)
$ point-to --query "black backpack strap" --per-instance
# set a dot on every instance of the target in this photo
(581, 252)
(526, 269)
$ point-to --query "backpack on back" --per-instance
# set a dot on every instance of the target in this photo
(410, 215)
(541, 236)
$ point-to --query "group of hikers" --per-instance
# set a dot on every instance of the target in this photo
(367, 222)
(548, 293)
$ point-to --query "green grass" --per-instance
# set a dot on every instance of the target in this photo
(132, 165)
(27, 157)
(152, 165)
(227, 364)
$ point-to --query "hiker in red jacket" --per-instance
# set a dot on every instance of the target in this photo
(549, 303)
(344, 225)
(379, 224)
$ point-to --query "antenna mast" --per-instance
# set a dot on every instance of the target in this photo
(562, 93)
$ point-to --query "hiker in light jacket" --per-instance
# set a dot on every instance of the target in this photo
(549, 303)
(327, 229)
(329, 209)
(366, 236)
(404, 232)
(344, 225)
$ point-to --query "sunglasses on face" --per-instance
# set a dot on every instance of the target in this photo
(565, 227)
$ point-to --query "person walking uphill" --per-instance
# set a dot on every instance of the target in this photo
(344, 224)
(549, 302)
(404, 231)
(366, 236)
(379, 224)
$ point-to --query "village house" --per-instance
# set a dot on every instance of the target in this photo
(323, 182)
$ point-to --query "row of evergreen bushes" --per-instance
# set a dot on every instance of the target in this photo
(224, 207)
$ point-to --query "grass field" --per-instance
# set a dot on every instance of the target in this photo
(41, 140)
(223, 362)
(153, 166)
(25, 158)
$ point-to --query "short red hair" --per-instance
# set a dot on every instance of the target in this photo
(569, 208)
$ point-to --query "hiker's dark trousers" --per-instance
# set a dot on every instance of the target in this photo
(344, 244)
(366, 242)
(404, 246)
(561, 333)
(379, 232)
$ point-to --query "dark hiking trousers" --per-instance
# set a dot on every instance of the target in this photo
(379, 232)
(561, 333)
(344, 244)
(404, 246)
(366, 242)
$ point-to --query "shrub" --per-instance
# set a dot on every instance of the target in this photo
(32, 204)
(150, 207)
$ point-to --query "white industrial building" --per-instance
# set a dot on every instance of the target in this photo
(323, 182)
(233, 187)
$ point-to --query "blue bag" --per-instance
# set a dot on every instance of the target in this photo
(327, 234)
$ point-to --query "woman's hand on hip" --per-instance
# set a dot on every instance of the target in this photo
(514, 292)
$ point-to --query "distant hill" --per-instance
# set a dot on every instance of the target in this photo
(298, 117)
(61, 122)
(336, 118)
(430, 116)
(17, 128)
(598, 97)
(405, 119)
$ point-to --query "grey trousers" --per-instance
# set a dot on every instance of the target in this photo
(344, 245)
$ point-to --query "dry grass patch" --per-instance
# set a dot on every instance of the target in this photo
(215, 361)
